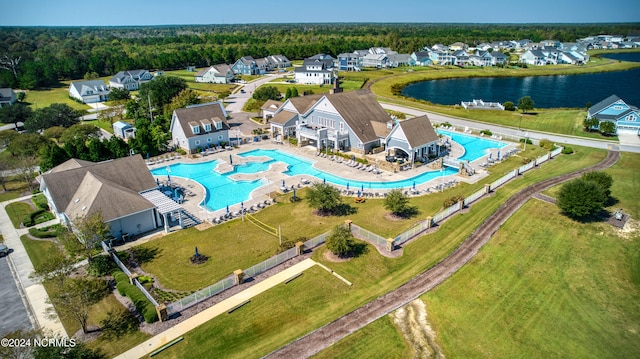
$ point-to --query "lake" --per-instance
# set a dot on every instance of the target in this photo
(573, 91)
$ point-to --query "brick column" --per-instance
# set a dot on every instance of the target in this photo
(299, 248)
(239, 276)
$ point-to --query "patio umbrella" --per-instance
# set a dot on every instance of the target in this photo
(227, 209)
(347, 186)
(168, 177)
(490, 155)
(157, 181)
(362, 187)
(282, 183)
(358, 193)
(147, 156)
(294, 193)
(324, 181)
(498, 154)
(230, 160)
(197, 254)
(414, 184)
(242, 204)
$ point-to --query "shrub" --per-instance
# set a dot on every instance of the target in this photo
(453, 200)
(509, 106)
(223, 144)
(546, 144)
(340, 242)
(293, 141)
(140, 301)
(47, 232)
(41, 202)
(486, 132)
(567, 150)
(144, 279)
(181, 151)
(529, 142)
(100, 266)
(30, 219)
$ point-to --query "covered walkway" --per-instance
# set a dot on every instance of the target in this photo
(166, 207)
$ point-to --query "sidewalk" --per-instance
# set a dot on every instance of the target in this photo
(19, 259)
(180, 329)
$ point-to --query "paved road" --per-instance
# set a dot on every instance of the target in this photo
(514, 132)
(425, 281)
(13, 315)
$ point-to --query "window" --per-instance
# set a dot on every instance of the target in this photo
(197, 142)
(617, 107)
(207, 127)
(220, 137)
(209, 140)
(219, 125)
(195, 129)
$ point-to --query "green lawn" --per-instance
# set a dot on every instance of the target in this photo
(37, 250)
(544, 286)
(59, 94)
(17, 211)
(317, 300)
(15, 187)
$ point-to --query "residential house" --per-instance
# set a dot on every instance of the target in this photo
(395, 60)
(7, 97)
(413, 139)
(613, 109)
(263, 65)
(461, 58)
(217, 74)
(91, 91)
(130, 80)
(533, 57)
(123, 130)
(269, 109)
(498, 58)
(199, 126)
(348, 61)
(550, 43)
(246, 65)
(286, 117)
(278, 62)
(442, 58)
(316, 70)
(421, 58)
(350, 121)
(122, 190)
(458, 46)
(440, 47)
(375, 60)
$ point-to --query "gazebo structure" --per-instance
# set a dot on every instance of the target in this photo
(165, 207)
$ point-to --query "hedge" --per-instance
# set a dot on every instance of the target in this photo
(142, 304)
(47, 232)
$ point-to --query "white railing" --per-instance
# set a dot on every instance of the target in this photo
(526, 167)
(367, 236)
(446, 213)
(474, 197)
(499, 182)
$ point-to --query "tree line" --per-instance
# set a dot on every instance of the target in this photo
(37, 57)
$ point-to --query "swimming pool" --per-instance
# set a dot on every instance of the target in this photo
(222, 191)
(474, 147)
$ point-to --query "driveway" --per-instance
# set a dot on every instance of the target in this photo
(13, 315)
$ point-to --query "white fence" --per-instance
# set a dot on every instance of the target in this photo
(556, 152)
(199, 296)
(446, 212)
(500, 181)
(526, 167)
(368, 236)
(474, 197)
(411, 233)
(270, 263)
(316, 241)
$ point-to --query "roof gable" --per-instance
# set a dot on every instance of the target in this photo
(194, 115)
(363, 114)
(418, 131)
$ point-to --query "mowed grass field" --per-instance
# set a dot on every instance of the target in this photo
(543, 286)
(281, 315)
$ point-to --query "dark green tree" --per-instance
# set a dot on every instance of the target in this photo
(509, 106)
(294, 92)
(52, 155)
(590, 123)
(117, 147)
(75, 297)
(264, 93)
(287, 94)
(581, 198)
(118, 94)
(602, 179)
(55, 115)
(98, 150)
(525, 104)
(185, 98)
(397, 202)
(340, 242)
(324, 198)
(607, 127)
(159, 92)
(19, 112)
(26, 144)
(80, 131)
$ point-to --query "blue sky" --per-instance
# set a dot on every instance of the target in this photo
(165, 12)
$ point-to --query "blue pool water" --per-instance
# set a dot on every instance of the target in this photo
(222, 191)
(475, 147)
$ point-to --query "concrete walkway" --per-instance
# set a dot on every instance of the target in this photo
(35, 293)
(182, 328)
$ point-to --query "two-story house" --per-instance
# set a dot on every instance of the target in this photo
(348, 61)
(625, 117)
(130, 80)
(217, 74)
(199, 126)
(317, 70)
(89, 91)
(246, 65)
(421, 58)
(278, 62)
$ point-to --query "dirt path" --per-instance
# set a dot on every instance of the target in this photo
(412, 322)
(323, 337)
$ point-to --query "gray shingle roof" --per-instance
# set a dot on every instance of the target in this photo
(419, 131)
(603, 104)
(195, 114)
(363, 114)
(110, 186)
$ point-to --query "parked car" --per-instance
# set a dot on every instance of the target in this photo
(4, 250)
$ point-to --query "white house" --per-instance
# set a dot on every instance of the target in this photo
(123, 130)
(197, 127)
(7, 97)
(89, 91)
(130, 80)
(414, 139)
(375, 60)
(217, 74)
(269, 109)
(315, 71)
(123, 190)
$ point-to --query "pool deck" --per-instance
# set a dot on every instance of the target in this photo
(262, 195)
